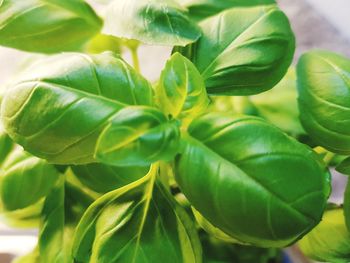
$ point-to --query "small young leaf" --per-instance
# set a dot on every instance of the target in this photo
(243, 51)
(47, 26)
(324, 99)
(329, 241)
(105, 178)
(140, 222)
(201, 9)
(181, 90)
(58, 107)
(155, 22)
(251, 180)
(139, 136)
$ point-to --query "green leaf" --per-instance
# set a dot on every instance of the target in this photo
(59, 106)
(201, 9)
(47, 26)
(181, 90)
(155, 22)
(32, 257)
(140, 222)
(62, 211)
(24, 180)
(105, 178)
(101, 43)
(324, 99)
(279, 105)
(252, 181)
(6, 145)
(344, 166)
(138, 136)
(243, 51)
(329, 241)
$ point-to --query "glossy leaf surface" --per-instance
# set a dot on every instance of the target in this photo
(138, 136)
(59, 106)
(181, 90)
(324, 99)
(201, 9)
(251, 180)
(329, 241)
(243, 51)
(137, 223)
(47, 26)
(105, 178)
(156, 22)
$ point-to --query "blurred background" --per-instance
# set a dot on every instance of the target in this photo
(320, 24)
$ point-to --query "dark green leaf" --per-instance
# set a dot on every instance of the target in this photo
(330, 240)
(60, 105)
(105, 178)
(251, 180)
(243, 51)
(47, 26)
(139, 136)
(324, 99)
(137, 223)
(181, 90)
(159, 22)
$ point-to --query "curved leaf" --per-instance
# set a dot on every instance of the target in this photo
(47, 26)
(6, 145)
(243, 51)
(201, 9)
(137, 223)
(150, 21)
(251, 180)
(59, 106)
(324, 99)
(138, 136)
(181, 90)
(329, 241)
(105, 178)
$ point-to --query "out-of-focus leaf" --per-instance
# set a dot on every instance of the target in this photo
(105, 178)
(47, 26)
(156, 22)
(330, 240)
(101, 43)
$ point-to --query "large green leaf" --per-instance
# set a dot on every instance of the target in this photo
(330, 240)
(138, 135)
(46, 26)
(159, 22)
(59, 106)
(251, 180)
(62, 211)
(181, 90)
(103, 178)
(137, 223)
(200, 9)
(324, 99)
(244, 50)
(279, 105)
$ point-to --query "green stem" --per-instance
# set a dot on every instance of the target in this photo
(328, 157)
(135, 59)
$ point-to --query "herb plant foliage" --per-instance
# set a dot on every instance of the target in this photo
(197, 167)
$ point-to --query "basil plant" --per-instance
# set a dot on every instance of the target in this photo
(196, 167)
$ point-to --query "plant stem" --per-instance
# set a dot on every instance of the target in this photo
(135, 59)
(328, 157)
